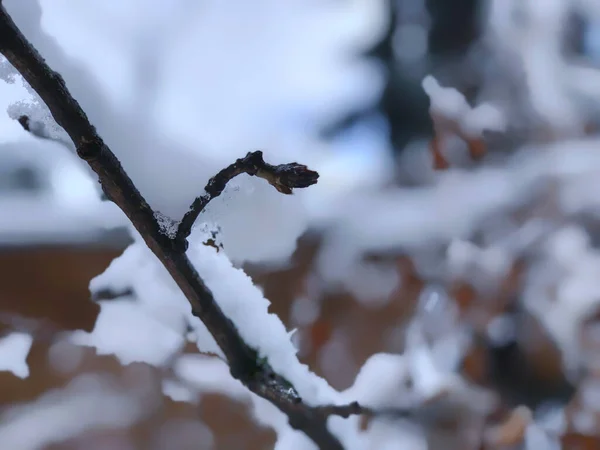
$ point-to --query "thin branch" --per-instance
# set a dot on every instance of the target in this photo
(283, 177)
(425, 414)
(40, 130)
(37, 129)
(345, 411)
(255, 374)
(112, 294)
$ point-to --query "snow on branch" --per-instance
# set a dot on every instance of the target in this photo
(244, 362)
(452, 115)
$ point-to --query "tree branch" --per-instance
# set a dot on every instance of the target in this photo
(284, 178)
(255, 374)
(39, 129)
(34, 128)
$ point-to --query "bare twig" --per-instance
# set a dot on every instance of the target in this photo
(245, 365)
(355, 408)
(112, 294)
(283, 177)
(25, 122)
(39, 130)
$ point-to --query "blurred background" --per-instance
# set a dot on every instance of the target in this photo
(429, 210)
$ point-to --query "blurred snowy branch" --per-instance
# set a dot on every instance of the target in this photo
(96, 401)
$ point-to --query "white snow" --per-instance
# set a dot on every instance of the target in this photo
(451, 104)
(14, 349)
(93, 400)
(125, 330)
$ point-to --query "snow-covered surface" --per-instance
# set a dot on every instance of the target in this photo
(451, 104)
(122, 329)
(89, 402)
(13, 354)
(160, 313)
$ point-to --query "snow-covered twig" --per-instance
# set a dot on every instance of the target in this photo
(283, 177)
(245, 365)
